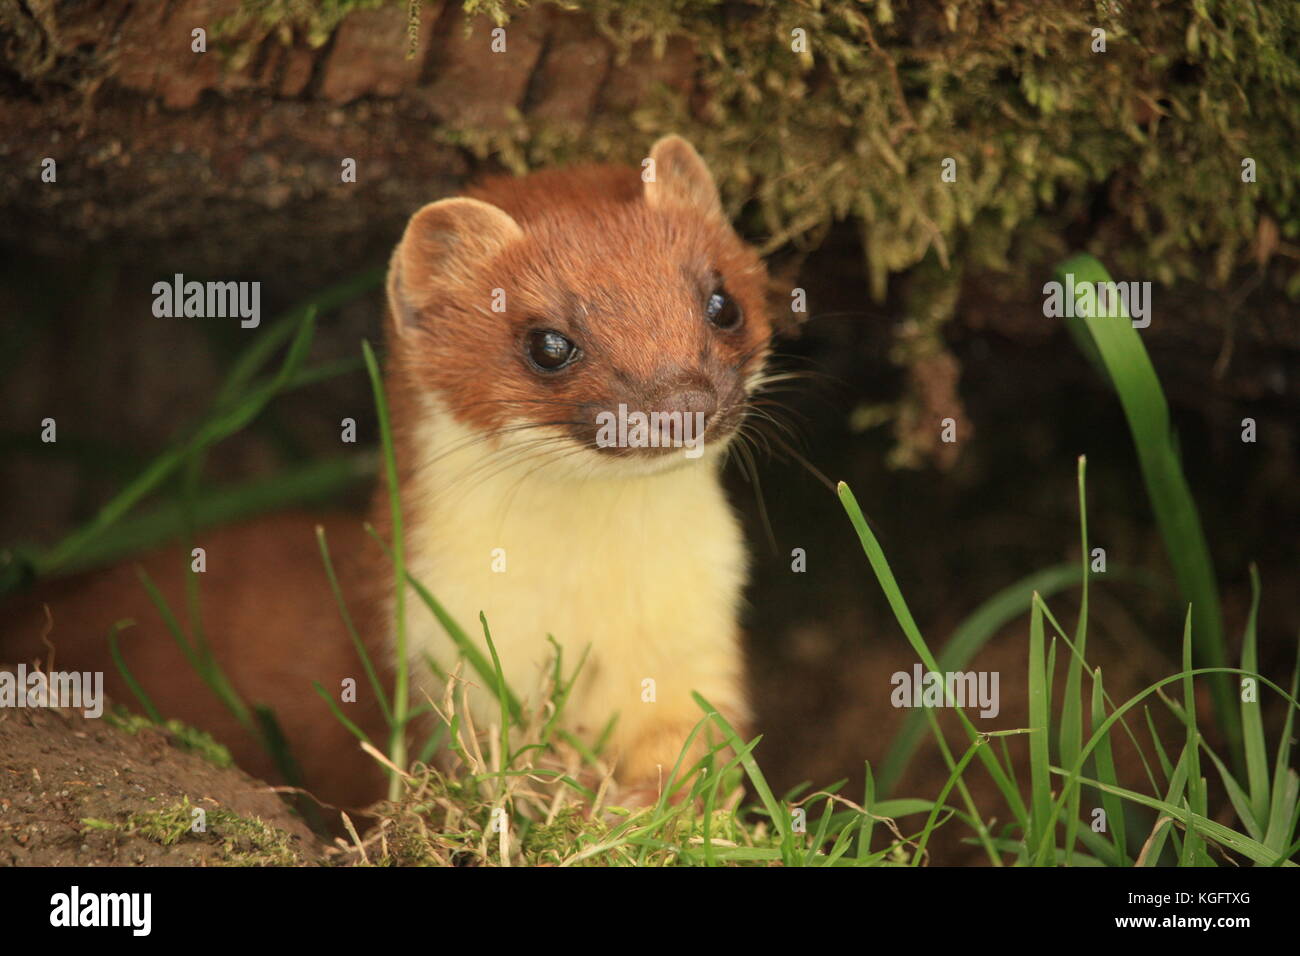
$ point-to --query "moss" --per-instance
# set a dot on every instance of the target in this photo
(315, 20)
(547, 844)
(243, 841)
(498, 11)
(1134, 154)
(1035, 121)
(1041, 128)
(187, 738)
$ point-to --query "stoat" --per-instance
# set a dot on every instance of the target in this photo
(525, 319)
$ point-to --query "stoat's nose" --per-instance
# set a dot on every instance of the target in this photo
(687, 408)
(691, 400)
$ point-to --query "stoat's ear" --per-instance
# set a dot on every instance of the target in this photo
(680, 176)
(443, 244)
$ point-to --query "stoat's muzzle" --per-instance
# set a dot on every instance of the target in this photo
(677, 413)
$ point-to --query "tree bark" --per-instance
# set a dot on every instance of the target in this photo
(230, 161)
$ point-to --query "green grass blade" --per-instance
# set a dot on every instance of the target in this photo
(1284, 810)
(1252, 724)
(819, 839)
(1162, 756)
(1042, 821)
(1071, 735)
(341, 717)
(136, 690)
(966, 641)
(780, 818)
(1074, 776)
(1204, 827)
(953, 777)
(1105, 761)
(1174, 798)
(366, 663)
(1120, 350)
(464, 643)
(1193, 847)
(277, 745)
(1238, 797)
(885, 576)
(869, 818)
(500, 685)
(205, 667)
(401, 682)
(1286, 805)
(221, 425)
(315, 482)
(281, 329)
(259, 720)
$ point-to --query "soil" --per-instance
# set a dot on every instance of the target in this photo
(59, 770)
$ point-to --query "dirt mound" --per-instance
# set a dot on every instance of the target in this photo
(83, 792)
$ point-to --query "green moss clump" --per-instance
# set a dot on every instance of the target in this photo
(860, 124)
(314, 20)
(812, 112)
(187, 738)
(243, 841)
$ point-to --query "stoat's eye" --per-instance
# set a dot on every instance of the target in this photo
(722, 311)
(549, 350)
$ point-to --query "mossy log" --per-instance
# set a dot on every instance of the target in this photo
(1116, 128)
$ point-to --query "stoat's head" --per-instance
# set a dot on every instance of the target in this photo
(590, 315)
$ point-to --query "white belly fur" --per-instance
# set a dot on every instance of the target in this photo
(647, 570)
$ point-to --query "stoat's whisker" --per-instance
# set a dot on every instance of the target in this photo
(501, 459)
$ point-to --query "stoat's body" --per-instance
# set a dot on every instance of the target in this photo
(647, 571)
(631, 551)
(639, 295)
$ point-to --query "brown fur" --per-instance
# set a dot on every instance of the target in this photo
(623, 269)
(601, 265)
(271, 622)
